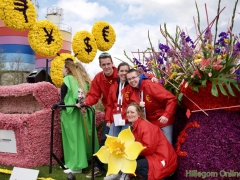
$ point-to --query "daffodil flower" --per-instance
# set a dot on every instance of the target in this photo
(120, 153)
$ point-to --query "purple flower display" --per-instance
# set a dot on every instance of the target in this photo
(214, 147)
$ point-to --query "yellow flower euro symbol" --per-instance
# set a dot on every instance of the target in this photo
(57, 67)
(104, 34)
(45, 38)
(84, 46)
(120, 153)
(17, 14)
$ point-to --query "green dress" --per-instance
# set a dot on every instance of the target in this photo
(76, 129)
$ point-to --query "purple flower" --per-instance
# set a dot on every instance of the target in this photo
(217, 50)
(160, 60)
(163, 47)
(162, 81)
(238, 73)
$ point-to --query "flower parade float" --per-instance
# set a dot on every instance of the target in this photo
(25, 109)
(205, 76)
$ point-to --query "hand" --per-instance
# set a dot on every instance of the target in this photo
(108, 125)
(55, 106)
(163, 119)
(78, 105)
(154, 79)
(142, 104)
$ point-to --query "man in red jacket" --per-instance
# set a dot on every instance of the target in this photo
(159, 104)
(100, 86)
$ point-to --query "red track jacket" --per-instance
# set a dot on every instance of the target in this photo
(158, 101)
(157, 149)
(100, 88)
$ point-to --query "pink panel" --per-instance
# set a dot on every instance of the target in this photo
(40, 63)
(2, 24)
(66, 45)
(14, 40)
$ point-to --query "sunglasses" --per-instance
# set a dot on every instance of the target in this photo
(104, 55)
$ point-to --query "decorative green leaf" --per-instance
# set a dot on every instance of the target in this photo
(230, 89)
(180, 96)
(226, 69)
(223, 91)
(236, 85)
(214, 90)
(204, 82)
(195, 88)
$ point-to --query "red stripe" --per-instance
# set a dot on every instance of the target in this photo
(5, 31)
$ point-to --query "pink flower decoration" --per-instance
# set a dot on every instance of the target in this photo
(217, 66)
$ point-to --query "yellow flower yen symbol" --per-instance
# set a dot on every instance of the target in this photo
(120, 153)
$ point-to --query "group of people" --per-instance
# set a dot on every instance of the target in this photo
(129, 99)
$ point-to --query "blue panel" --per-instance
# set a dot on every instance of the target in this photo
(26, 58)
(17, 48)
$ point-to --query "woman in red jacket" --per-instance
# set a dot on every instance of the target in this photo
(159, 159)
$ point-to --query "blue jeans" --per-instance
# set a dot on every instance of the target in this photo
(115, 130)
(168, 131)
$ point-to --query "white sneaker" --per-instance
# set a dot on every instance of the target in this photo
(124, 177)
(112, 177)
(72, 171)
(64, 166)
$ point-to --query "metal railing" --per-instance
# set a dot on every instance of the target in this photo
(64, 27)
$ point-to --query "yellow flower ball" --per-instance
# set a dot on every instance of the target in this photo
(45, 38)
(104, 34)
(57, 67)
(84, 46)
(18, 15)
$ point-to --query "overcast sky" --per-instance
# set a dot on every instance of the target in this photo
(132, 19)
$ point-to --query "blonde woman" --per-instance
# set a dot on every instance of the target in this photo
(76, 127)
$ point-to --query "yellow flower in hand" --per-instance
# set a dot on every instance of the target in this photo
(120, 153)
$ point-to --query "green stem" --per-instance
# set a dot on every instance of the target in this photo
(216, 29)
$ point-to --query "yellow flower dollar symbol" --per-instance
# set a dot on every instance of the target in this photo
(18, 14)
(104, 34)
(57, 66)
(45, 38)
(84, 46)
(120, 153)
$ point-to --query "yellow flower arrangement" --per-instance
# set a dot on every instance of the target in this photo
(120, 153)
(84, 46)
(45, 38)
(16, 14)
(104, 34)
(57, 66)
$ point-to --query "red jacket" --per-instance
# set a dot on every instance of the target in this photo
(158, 101)
(111, 106)
(157, 149)
(100, 88)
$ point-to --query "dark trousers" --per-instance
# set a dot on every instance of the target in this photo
(142, 167)
(99, 164)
